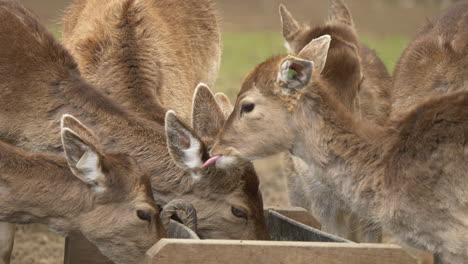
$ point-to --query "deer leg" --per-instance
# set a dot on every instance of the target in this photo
(7, 237)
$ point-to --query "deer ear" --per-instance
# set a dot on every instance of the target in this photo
(184, 146)
(289, 24)
(295, 73)
(225, 104)
(317, 51)
(69, 121)
(207, 115)
(84, 159)
(339, 12)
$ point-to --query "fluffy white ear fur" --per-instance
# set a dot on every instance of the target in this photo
(91, 168)
(83, 160)
(184, 146)
(192, 156)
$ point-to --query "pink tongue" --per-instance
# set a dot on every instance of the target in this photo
(212, 160)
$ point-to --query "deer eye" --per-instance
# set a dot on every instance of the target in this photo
(247, 108)
(144, 215)
(239, 212)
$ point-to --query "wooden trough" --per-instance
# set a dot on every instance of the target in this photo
(295, 235)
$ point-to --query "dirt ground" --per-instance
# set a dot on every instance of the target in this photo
(35, 245)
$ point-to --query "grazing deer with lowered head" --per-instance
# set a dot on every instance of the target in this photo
(359, 79)
(104, 196)
(410, 178)
(435, 62)
(146, 54)
(227, 201)
(151, 37)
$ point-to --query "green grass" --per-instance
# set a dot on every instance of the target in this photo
(388, 49)
(242, 51)
(55, 30)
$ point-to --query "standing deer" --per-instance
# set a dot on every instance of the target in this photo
(104, 196)
(435, 62)
(148, 55)
(359, 79)
(410, 178)
(41, 81)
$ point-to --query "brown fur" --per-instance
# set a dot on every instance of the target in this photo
(359, 79)
(146, 53)
(356, 75)
(40, 188)
(435, 62)
(224, 103)
(40, 82)
(189, 43)
(410, 178)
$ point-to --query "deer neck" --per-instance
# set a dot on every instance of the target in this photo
(126, 75)
(109, 120)
(122, 131)
(37, 188)
(348, 151)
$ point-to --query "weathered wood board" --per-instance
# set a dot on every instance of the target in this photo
(182, 251)
(78, 250)
(298, 214)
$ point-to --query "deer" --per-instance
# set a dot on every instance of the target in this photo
(204, 111)
(104, 196)
(360, 80)
(147, 55)
(434, 62)
(150, 36)
(41, 68)
(409, 178)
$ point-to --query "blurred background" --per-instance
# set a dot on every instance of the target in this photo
(251, 33)
(251, 28)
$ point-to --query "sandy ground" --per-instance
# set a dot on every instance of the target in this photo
(35, 245)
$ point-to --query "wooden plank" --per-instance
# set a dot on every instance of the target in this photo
(79, 250)
(299, 214)
(182, 251)
(282, 228)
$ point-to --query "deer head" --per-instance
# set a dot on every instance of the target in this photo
(263, 122)
(224, 195)
(344, 66)
(122, 219)
(298, 35)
